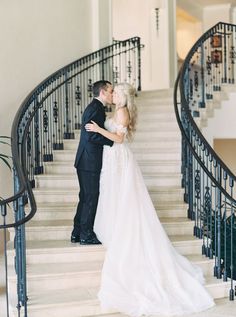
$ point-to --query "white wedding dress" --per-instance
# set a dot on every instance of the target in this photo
(142, 273)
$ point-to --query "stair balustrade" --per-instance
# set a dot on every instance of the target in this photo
(208, 182)
(48, 115)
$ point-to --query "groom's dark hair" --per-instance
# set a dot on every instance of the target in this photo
(99, 85)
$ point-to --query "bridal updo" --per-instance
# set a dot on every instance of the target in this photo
(126, 95)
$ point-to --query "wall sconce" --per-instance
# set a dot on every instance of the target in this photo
(158, 5)
(157, 11)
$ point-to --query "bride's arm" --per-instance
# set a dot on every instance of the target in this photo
(118, 137)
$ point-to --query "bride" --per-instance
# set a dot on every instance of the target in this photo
(142, 273)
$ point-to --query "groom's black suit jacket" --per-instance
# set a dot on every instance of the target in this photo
(89, 153)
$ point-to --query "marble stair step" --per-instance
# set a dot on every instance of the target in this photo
(66, 211)
(160, 166)
(155, 125)
(144, 97)
(227, 89)
(62, 251)
(154, 154)
(80, 302)
(61, 229)
(77, 302)
(156, 116)
(153, 106)
(147, 154)
(153, 145)
(157, 94)
(165, 194)
(148, 167)
(55, 276)
(158, 194)
(171, 143)
(160, 124)
(146, 135)
(70, 180)
(58, 251)
(157, 136)
(144, 101)
(171, 209)
(59, 167)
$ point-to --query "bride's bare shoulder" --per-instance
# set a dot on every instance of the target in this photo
(122, 116)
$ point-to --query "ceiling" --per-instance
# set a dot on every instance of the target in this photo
(204, 3)
(195, 8)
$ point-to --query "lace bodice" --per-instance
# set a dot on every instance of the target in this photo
(112, 126)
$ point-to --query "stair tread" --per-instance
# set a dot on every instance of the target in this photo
(65, 223)
(74, 175)
(56, 204)
(159, 162)
(82, 296)
(165, 189)
(63, 269)
(75, 189)
(47, 270)
(134, 150)
(173, 220)
(172, 204)
(42, 245)
(60, 206)
(61, 298)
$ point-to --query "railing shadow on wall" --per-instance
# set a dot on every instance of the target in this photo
(208, 183)
(50, 114)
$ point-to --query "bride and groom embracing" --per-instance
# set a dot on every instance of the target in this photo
(142, 273)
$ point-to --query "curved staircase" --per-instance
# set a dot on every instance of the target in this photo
(63, 278)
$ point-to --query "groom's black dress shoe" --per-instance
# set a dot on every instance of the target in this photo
(74, 239)
(93, 240)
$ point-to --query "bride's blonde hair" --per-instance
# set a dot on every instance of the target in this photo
(126, 93)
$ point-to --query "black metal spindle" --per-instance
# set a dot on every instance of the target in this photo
(219, 218)
(208, 65)
(232, 259)
(4, 214)
(225, 72)
(225, 232)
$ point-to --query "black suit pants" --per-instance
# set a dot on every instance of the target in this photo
(87, 206)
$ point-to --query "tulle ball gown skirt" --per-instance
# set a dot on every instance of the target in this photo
(143, 275)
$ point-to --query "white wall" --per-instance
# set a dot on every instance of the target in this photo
(192, 7)
(138, 18)
(101, 11)
(226, 149)
(37, 38)
(222, 124)
(188, 31)
(233, 15)
(214, 14)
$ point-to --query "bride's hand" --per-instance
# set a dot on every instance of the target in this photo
(92, 127)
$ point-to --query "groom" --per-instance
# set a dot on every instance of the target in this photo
(88, 163)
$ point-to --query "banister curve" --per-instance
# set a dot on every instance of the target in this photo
(209, 184)
(184, 103)
(111, 62)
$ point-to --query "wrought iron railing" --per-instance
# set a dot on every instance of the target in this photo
(208, 182)
(50, 114)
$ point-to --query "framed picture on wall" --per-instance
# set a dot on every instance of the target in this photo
(216, 41)
(216, 57)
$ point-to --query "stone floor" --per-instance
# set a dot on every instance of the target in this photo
(223, 308)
